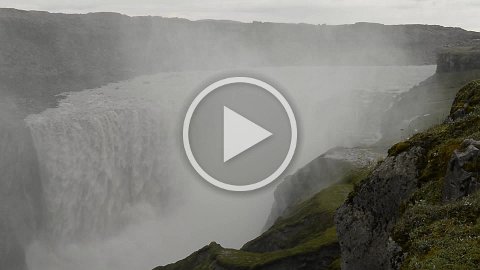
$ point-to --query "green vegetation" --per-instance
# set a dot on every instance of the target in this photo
(307, 219)
(441, 236)
(434, 234)
(214, 255)
(356, 176)
(467, 98)
(336, 265)
(398, 148)
(250, 260)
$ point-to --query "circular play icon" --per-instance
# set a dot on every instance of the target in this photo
(240, 134)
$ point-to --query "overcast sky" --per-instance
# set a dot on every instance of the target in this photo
(461, 13)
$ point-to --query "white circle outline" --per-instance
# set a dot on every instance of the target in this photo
(211, 88)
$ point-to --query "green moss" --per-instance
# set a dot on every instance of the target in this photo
(441, 236)
(202, 259)
(430, 192)
(468, 98)
(336, 265)
(434, 234)
(213, 254)
(357, 181)
(248, 260)
(398, 148)
(307, 219)
(357, 175)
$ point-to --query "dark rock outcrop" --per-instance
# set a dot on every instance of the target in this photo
(462, 178)
(365, 221)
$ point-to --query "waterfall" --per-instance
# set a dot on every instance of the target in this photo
(20, 190)
(99, 157)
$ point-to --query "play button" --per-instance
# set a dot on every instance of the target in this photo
(239, 134)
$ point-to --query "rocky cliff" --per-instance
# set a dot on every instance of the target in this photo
(458, 59)
(419, 209)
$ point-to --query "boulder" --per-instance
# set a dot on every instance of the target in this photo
(365, 221)
(463, 170)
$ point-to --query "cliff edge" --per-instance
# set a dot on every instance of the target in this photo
(458, 59)
(419, 209)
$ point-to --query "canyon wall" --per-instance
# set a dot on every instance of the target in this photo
(42, 54)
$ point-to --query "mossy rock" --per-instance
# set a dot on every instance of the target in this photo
(398, 148)
(435, 234)
(467, 99)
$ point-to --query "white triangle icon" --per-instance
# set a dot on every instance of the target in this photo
(239, 134)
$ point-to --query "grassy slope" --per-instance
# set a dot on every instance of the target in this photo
(433, 234)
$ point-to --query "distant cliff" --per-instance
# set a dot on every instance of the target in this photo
(42, 54)
(458, 59)
(428, 103)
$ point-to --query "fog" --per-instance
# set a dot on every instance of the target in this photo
(97, 178)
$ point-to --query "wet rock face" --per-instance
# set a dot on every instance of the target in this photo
(365, 221)
(463, 170)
